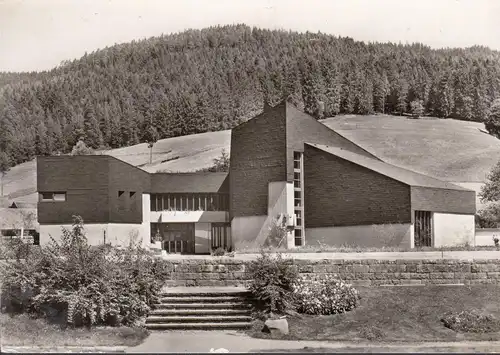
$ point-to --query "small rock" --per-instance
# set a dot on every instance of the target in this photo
(276, 326)
(220, 350)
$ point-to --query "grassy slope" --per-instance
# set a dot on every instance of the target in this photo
(396, 314)
(448, 149)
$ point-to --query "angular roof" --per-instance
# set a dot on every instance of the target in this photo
(17, 204)
(202, 182)
(405, 176)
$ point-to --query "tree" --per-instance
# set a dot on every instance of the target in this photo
(4, 167)
(81, 149)
(490, 192)
(417, 108)
(492, 123)
(489, 217)
(151, 137)
(221, 163)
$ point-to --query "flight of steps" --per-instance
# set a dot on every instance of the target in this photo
(201, 310)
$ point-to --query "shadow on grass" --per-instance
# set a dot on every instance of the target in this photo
(396, 314)
(22, 330)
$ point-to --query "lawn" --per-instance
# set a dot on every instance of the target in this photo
(397, 314)
(21, 330)
(382, 349)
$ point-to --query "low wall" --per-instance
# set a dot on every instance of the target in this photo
(233, 272)
(484, 236)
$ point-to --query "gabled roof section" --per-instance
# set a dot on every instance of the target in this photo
(22, 205)
(202, 182)
(265, 110)
(405, 176)
(307, 128)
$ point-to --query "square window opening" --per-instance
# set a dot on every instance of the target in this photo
(59, 196)
(47, 196)
(120, 193)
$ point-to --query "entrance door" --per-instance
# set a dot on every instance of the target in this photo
(423, 229)
(178, 238)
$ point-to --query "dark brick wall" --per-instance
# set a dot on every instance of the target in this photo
(127, 178)
(442, 200)
(85, 181)
(233, 272)
(303, 128)
(340, 193)
(258, 156)
(91, 184)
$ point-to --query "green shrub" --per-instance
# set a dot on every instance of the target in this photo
(85, 285)
(15, 248)
(272, 280)
(471, 322)
(314, 295)
(218, 252)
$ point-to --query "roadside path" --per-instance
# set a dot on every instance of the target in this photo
(203, 341)
(410, 255)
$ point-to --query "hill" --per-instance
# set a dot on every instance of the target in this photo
(451, 150)
(211, 79)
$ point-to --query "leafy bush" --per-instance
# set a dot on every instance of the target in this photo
(324, 295)
(84, 284)
(16, 248)
(272, 283)
(471, 322)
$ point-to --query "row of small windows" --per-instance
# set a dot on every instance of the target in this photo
(190, 202)
(52, 196)
(131, 193)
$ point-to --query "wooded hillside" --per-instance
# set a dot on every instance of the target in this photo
(212, 79)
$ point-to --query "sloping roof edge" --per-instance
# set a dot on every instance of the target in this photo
(406, 176)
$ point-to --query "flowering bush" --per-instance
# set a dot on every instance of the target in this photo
(272, 283)
(84, 284)
(325, 295)
(471, 322)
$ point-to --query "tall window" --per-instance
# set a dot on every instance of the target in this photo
(298, 197)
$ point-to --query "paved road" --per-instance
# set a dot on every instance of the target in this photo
(203, 341)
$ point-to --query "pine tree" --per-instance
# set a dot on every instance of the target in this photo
(492, 124)
(4, 168)
(417, 108)
(81, 148)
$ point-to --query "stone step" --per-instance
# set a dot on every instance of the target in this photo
(200, 299)
(237, 293)
(197, 305)
(199, 311)
(198, 319)
(199, 326)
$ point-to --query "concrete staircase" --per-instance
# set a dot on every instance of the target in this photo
(201, 308)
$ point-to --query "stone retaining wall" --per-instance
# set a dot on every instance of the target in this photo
(232, 272)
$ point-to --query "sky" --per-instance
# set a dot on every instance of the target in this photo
(39, 34)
